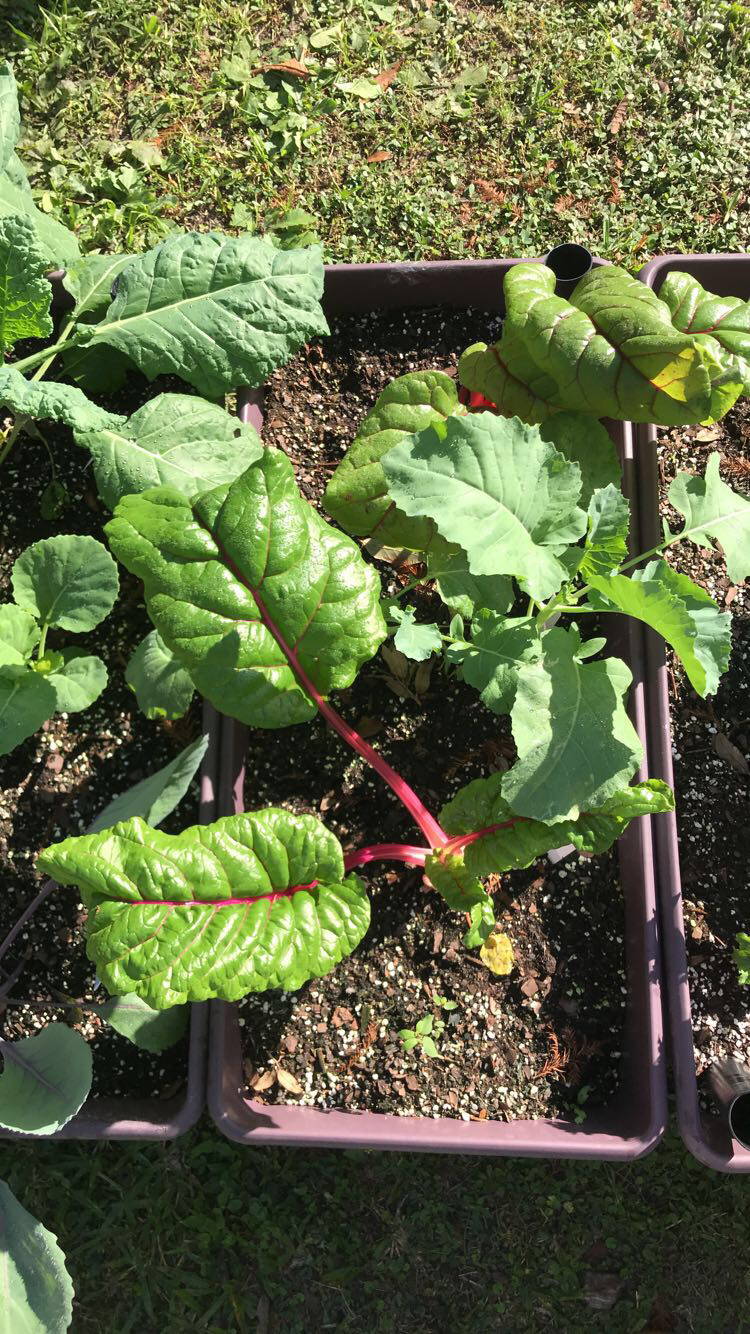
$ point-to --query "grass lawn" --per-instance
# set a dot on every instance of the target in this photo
(504, 127)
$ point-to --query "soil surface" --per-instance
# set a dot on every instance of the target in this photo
(711, 752)
(57, 782)
(544, 1041)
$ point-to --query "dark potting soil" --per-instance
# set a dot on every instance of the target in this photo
(711, 753)
(544, 1041)
(57, 782)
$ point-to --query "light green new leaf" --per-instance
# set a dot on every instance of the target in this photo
(576, 745)
(481, 924)
(250, 902)
(219, 311)
(357, 494)
(461, 590)
(606, 544)
(162, 687)
(26, 701)
(176, 440)
(741, 957)
(721, 325)
(499, 646)
(583, 440)
(512, 842)
(77, 678)
(89, 281)
(46, 1079)
(248, 582)
(44, 400)
(69, 581)
(497, 489)
(610, 350)
(713, 510)
(417, 642)
(458, 886)
(680, 611)
(25, 294)
(37, 1292)
(155, 797)
(19, 635)
(149, 1029)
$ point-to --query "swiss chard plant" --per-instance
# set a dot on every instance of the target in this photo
(269, 609)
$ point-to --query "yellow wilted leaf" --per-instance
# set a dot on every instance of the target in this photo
(497, 953)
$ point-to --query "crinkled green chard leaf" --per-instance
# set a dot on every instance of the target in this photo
(491, 660)
(37, 1292)
(250, 902)
(69, 581)
(162, 686)
(462, 591)
(680, 611)
(26, 701)
(46, 1079)
(576, 745)
(19, 635)
(713, 510)
(722, 325)
(606, 544)
(155, 797)
(218, 311)
(512, 842)
(251, 590)
(174, 440)
(43, 400)
(357, 495)
(149, 1029)
(495, 487)
(58, 243)
(611, 350)
(25, 294)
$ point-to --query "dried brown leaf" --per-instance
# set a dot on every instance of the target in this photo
(726, 750)
(618, 119)
(293, 67)
(260, 1083)
(387, 76)
(288, 1082)
(396, 662)
(381, 156)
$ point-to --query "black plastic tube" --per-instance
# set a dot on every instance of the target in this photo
(569, 263)
(730, 1086)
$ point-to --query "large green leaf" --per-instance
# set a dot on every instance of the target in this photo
(59, 245)
(43, 400)
(89, 281)
(149, 1029)
(26, 701)
(218, 311)
(77, 678)
(583, 440)
(606, 544)
(161, 684)
(69, 581)
(610, 350)
(174, 440)
(155, 797)
(491, 661)
(721, 324)
(576, 745)
(461, 590)
(496, 488)
(713, 510)
(512, 842)
(46, 1079)
(680, 611)
(25, 294)
(19, 635)
(357, 494)
(247, 585)
(10, 119)
(250, 902)
(36, 1294)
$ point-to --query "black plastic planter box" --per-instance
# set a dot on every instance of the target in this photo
(707, 1136)
(634, 1121)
